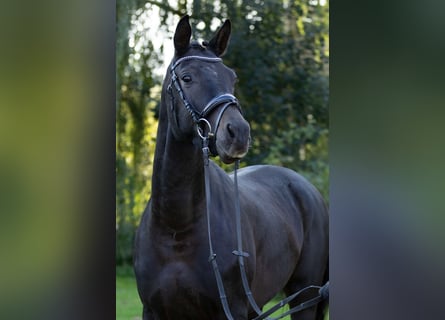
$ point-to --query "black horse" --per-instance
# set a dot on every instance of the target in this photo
(284, 218)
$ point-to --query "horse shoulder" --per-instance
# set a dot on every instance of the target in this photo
(278, 196)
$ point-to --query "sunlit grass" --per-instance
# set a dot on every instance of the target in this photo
(273, 302)
(128, 305)
(282, 310)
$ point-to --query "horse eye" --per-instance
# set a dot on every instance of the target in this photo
(186, 78)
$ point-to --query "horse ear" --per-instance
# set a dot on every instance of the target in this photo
(182, 35)
(220, 40)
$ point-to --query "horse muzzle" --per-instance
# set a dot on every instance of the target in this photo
(233, 136)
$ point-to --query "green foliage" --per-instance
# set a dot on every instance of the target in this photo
(279, 50)
(281, 62)
(136, 126)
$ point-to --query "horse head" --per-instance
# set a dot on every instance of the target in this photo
(201, 90)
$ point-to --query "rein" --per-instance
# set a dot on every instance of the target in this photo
(323, 292)
(212, 256)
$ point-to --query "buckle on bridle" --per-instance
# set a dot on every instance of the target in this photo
(201, 131)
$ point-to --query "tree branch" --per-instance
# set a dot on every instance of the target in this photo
(166, 7)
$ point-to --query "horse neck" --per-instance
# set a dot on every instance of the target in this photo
(178, 180)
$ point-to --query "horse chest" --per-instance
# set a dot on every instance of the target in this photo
(181, 289)
(177, 257)
(179, 277)
(173, 250)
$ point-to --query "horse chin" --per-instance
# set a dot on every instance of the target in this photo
(227, 160)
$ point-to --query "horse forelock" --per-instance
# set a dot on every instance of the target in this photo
(196, 48)
(197, 45)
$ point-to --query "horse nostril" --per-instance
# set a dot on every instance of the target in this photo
(229, 129)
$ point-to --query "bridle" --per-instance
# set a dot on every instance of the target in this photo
(224, 101)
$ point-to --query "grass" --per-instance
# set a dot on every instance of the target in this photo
(129, 307)
(273, 302)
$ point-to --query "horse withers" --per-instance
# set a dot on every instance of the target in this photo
(284, 219)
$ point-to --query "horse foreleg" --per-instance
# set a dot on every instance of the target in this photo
(239, 310)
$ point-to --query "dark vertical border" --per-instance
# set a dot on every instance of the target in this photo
(386, 158)
(71, 43)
